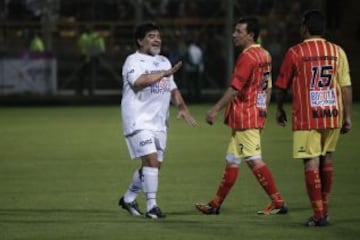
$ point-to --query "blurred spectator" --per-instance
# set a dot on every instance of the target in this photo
(151, 8)
(35, 7)
(215, 59)
(36, 43)
(164, 7)
(194, 68)
(92, 47)
(181, 48)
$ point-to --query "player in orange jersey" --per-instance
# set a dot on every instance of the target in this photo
(318, 72)
(246, 101)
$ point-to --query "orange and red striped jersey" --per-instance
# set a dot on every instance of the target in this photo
(316, 69)
(252, 79)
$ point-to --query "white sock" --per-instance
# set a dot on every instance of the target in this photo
(150, 185)
(135, 187)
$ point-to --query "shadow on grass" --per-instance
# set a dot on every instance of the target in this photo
(23, 215)
(68, 215)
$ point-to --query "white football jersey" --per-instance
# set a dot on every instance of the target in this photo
(147, 108)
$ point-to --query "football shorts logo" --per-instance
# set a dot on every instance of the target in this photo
(241, 148)
(145, 142)
(302, 149)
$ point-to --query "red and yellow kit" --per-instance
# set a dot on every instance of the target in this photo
(252, 78)
(316, 69)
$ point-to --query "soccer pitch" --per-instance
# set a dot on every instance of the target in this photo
(63, 169)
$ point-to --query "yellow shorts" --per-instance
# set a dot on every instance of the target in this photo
(313, 143)
(244, 144)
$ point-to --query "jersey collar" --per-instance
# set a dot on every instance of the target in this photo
(314, 39)
(251, 46)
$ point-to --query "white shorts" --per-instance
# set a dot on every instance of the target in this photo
(145, 142)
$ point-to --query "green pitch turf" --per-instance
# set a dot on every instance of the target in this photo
(63, 169)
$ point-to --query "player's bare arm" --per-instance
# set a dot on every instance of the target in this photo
(173, 70)
(147, 79)
(183, 111)
(223, 102)
(268, 96)
(347, 100)
(281, 117)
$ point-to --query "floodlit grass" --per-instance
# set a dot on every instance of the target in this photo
(63, 169)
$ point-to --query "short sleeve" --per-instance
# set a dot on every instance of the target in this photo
(284, 78)
(344, 70)
(242, 72)
(131, 70)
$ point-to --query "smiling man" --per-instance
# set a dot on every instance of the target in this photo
(148, 89)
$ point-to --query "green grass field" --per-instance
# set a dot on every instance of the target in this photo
(63, 169)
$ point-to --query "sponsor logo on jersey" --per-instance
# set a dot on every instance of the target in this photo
(323, 98)
(261, 100)
(325, 113)
(161, 87)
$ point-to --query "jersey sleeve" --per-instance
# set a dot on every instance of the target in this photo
(286, 72)
(131, 70)
(242, 72)
(344, 70)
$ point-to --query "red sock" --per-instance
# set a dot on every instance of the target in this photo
(228, 180)
(264, 177)
(326, 174)
(313, 186)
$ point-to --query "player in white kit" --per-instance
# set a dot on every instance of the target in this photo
(148, 89)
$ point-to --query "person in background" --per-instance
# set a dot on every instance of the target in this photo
(317, 71)
(91, 46)
(194, 68)
(36, 43)
(246, 101)
(148, 89)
